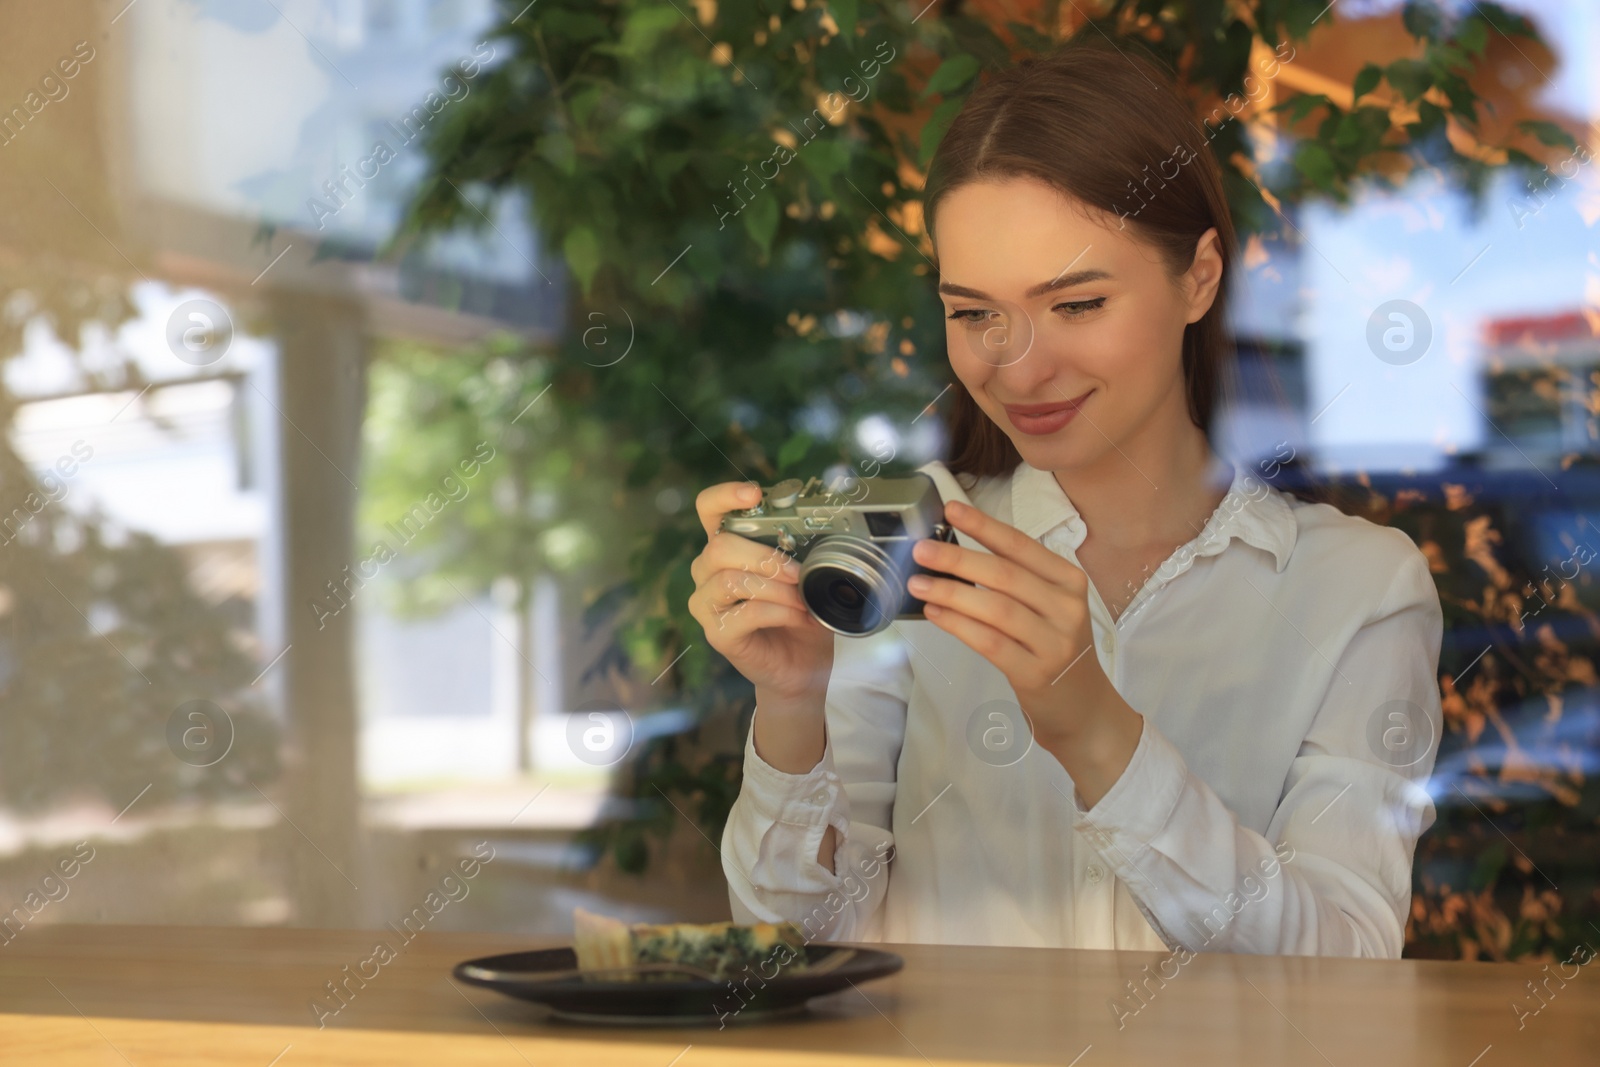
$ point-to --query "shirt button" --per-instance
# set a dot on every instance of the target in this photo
(819, 797)
(1096, 872)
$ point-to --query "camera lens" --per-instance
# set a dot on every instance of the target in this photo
(840, 602)
(852, 586)
(842, 592)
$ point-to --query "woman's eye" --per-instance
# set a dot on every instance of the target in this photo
(1078, 308)
(972, 315)
(1073, 309)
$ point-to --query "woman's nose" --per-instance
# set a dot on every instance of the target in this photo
(1027, 378)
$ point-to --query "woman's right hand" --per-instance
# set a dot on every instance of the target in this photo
(747, 598)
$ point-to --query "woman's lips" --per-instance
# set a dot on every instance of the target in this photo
(1037, 419)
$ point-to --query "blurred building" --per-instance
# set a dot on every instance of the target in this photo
(210, 150)
(324, 164)
(1542, 389)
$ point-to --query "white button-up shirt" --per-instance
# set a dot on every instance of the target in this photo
(1284, 662)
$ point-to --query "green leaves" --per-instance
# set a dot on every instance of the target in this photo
(643, 30)
(794, 450)
(1300, 106)
(582, 251)
(761, 220)
(1463, 101)
(557, 147)
(1430, 118)
(1423, 19)
(950, 79)
(574, 25)
(1361, 131)
(1366, 81)
(1490, 862)
(667, 164)
(1233, 55)
(844, 13)
(1315, 163)
(934, 129)
(1473, 35)
(1548, 133)
(1298, 18)
(824, 157)
(1410, 77)
(1506, 22)
(952, 75)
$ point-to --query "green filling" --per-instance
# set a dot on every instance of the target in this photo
(727, 951)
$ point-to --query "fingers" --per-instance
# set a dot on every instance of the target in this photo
(988, 642)
(743, 619)
(727, 587)
(993, 610)
(727, 616)
(1025, 665)
(728, 551)
(717, 500)
(996, 572)
(1008, 542)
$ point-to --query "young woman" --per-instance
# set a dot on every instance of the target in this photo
(1174, 708)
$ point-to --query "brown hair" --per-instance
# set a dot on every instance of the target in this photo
(1104, 125)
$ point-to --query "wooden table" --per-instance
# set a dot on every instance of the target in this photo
(210, 996)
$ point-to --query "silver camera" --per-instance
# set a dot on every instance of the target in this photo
(853, 541)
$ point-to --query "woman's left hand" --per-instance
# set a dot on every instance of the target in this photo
(1028, 614)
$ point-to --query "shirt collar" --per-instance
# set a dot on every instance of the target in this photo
(1251, 510)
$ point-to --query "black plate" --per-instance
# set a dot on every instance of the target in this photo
(669, 1001)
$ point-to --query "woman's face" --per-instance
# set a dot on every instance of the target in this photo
(1066, 331)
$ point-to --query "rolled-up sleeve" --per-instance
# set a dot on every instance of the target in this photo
(775, 827)
(1332, 873)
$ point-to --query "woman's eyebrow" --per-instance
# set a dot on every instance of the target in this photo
(1065, 281)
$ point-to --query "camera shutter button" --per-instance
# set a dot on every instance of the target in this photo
(785, 493)
(787, 542)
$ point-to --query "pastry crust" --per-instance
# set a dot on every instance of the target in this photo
(600, 941)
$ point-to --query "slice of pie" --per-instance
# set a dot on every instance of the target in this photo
(724, 949)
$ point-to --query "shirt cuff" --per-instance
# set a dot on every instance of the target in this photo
(808, 799)
(1138, 805)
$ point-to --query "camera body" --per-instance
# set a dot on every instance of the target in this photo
(853, 542)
